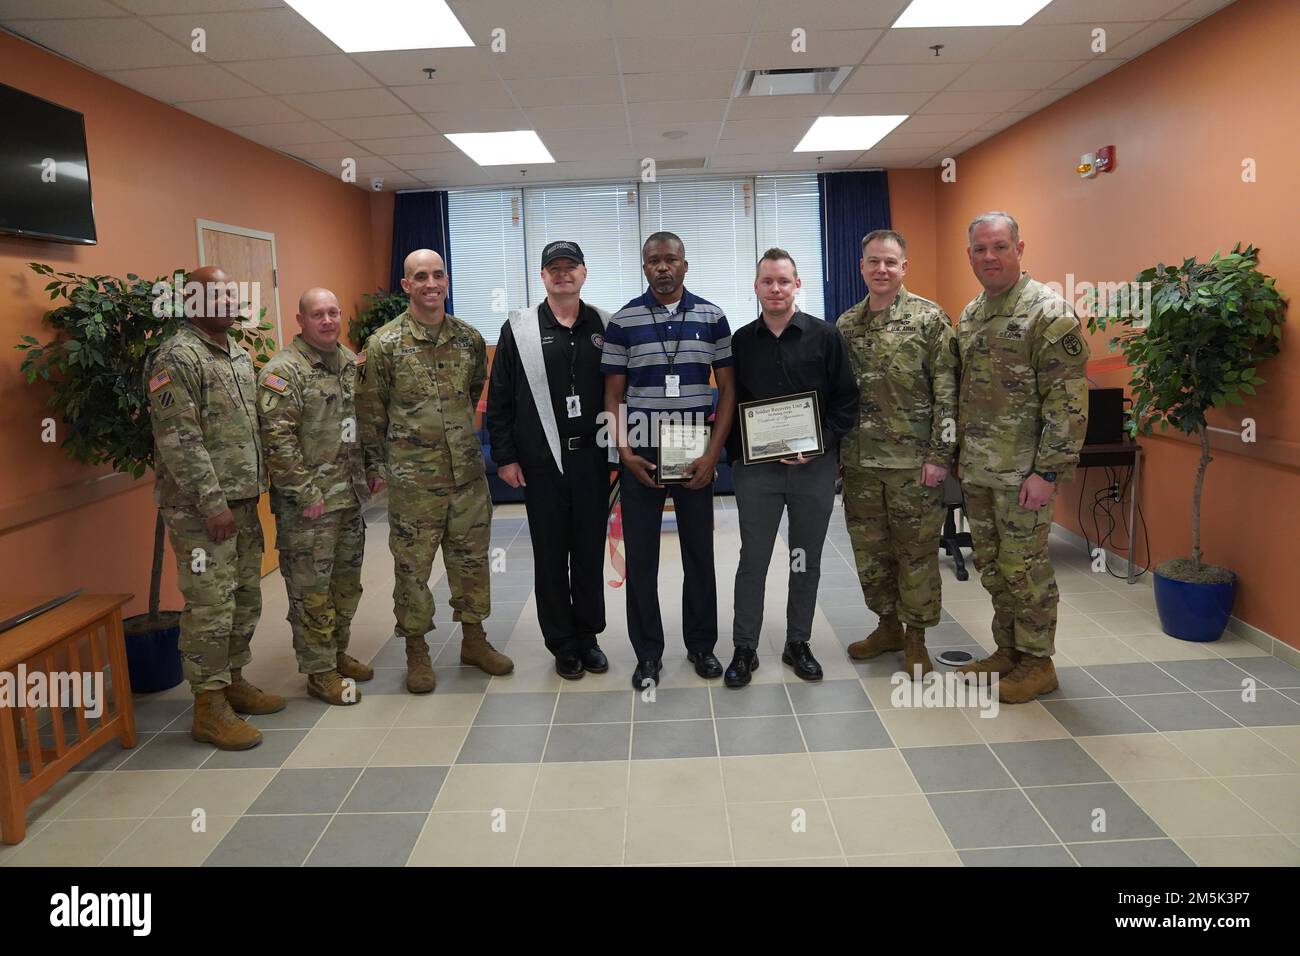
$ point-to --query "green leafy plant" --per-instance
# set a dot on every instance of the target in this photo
(381, 308)
(1210, 325)
(103, 337)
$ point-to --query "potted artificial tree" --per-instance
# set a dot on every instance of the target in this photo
(381, 308)
(103, 337)
(1193, 337)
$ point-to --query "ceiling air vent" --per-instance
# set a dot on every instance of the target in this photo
(678, 165)
(822, 79)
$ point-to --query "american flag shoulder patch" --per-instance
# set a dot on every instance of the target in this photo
(159, 381)
(361, 358)
(275, 383)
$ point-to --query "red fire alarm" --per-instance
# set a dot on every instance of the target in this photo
(1106, 159)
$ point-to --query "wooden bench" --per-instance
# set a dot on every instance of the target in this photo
(83, 636)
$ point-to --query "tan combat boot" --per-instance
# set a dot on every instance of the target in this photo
(215, 723)
(247, 699)
(420, 678)
(330, 687)
(1032, 676)
(888, 636)
(349, 666)
(914, 653)
(475, 649)
(1001, 662)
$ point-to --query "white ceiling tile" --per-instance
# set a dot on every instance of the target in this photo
(1151, 36)
(757, 107)
(565, 90)
(306, 74)
(903, 78)
(577, 117)
(58, 9)
(407, 144)
(758, 128)
(1002, 121)
(940, 123)
(1103, 11)
(926, 141)
(1057, 41)
(375, 127)
(774, 51)
(368, 166)
(661, 149)
(965, 101)
(107, 44)
(344, 103)
(155, 7)
(439, 97)
(783, 162)
(1033, 74)
(653, 55)
(965, 143)
(1199, 9)
(591, 57)
(280, 134)
(551, 20)
(325, 152)
(877, 104)
(414, 161)
(245, 111)
(682, 85)
(1086, 74)
(249, 35)
(676, 18)
(611, 148)
(406, 67)
(677, 111)
(477, 120)
(960, 44)
(700, 135)
(1036, 101)
(581, 138)
(784, 15)
(782, 143)
(394, 183)
(171, 84)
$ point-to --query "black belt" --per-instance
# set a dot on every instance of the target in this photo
(578, 443)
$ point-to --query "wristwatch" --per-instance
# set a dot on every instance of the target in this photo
(1046, 475)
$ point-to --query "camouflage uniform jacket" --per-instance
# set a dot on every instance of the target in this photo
(905, 361)
(1024, 394)
(203, 409)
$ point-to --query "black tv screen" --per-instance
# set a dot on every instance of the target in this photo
(44, 170)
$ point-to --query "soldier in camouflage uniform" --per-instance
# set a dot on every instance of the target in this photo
(307, 406)
(896, 459)
(209, 474)
(420, 384)
(1023, 413)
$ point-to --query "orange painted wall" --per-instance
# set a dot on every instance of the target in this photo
(1183, 117)
(912, 212)
(154, 170)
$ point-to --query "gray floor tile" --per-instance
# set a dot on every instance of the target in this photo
(366, 839)
(850, 617)
(458, 680)
(1135, 678)
(755, 700)
(966, 767)
(500, 709)
(1206, 675)
(1071, 811)
(886, 665)
(306, 791)
(841, 579)
(1018, 856)
(503, 745)
(574, 742)
(395, 790)
(1274, 672)
(300, 713)
(273, 751)
(838, 597)
(1294, 694)
(673, 703)
(1042, 763)
(154, 715)
(1075, 683)
(1186, 711)
(828, 697)
(447, 654)
(740, 736)
(1131, 853)
(852, 731)
(988, 818)
(1269, 709)
(171, 750)
(1091, 718)
(111, 756)
(268, 841)
(392, 654)
(658, 739)
(602, 707)
(947, 635)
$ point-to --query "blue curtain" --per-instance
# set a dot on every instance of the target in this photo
(420, 222)
(852, 204)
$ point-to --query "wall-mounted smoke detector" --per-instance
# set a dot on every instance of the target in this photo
(821, 79)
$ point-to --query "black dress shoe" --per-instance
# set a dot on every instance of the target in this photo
(799, 656)
(646, 670)
(742, 665)
(706, 664)
(594, 660)
(569, 666)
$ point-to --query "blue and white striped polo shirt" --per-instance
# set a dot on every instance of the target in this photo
(642, 335)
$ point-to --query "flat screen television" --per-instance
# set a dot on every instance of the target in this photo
(44, 170)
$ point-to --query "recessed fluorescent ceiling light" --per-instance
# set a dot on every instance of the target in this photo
(502, 149)
(964, 13)
(373, 25)
(830, 133)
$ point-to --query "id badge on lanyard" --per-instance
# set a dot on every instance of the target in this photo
(573, 405)
(673, 386)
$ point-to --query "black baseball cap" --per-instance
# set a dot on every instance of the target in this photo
(562, 249)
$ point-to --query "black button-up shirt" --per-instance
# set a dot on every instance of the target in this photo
(572, 359)
(810, 355)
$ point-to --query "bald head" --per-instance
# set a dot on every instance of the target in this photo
(320, 318)
(426, 282)
(212, 299)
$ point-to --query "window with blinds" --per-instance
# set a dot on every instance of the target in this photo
(789, 217)
(487, 257)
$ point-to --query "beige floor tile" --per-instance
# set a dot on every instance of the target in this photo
(677, 834)
(869, 826)
(678, 781)
(564, 786)
(171, 841)
(770, 777)
(379, 711)
(439, 710)
(336, 748)
(1241, 851)
(1085, 651)
(71, 843)
(929, 728)
(419, 746)
(1079, 626)
(468, 839)
(938, 858)
(592, 837)
(1162, 647)
(1027, 721)
(1121, 623)
(1140, 757)
(217, 793)
(1232, 646)
(864, 773)
(785, 829)
(528, 677)
(125, 795)
(1230, 753)
(1193, 808)
(65, 792)
(1276, 798)
(8, 850)
(1094, 602)
(1285, 739)
(487, 786)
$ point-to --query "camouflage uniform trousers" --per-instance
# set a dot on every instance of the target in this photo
(320, 560)
(419, 521)
(895, 523)
(1010, 544)
(222, 585)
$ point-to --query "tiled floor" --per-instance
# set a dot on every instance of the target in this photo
(1152, 752)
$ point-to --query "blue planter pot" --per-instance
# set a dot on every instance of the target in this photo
(153, 658)
(1191, 611)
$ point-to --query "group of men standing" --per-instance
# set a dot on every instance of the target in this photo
(903, 399)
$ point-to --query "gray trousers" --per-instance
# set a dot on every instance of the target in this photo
(763, 492)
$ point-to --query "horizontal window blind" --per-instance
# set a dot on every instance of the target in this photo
(487, 257)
